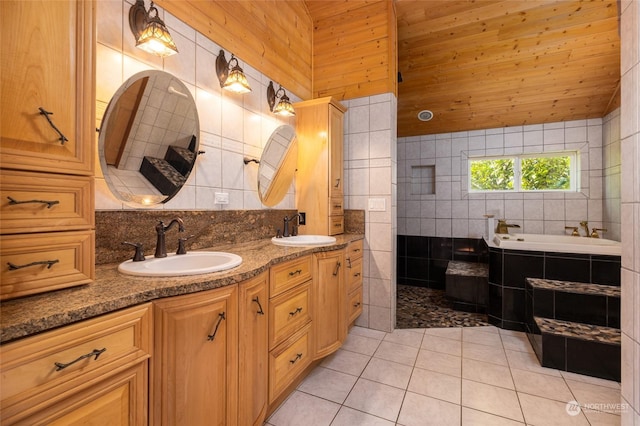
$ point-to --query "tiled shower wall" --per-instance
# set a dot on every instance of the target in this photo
(611, 185)
(630, 211)
(452, 212)
(232, 126)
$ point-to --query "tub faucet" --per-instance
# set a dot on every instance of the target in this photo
(286, 233)
(585, 226)
(161, 246)
(503, 227)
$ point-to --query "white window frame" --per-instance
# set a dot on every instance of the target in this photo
(517, 171)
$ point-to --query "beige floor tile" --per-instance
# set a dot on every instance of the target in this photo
(441, 344)
(597, 418)
(454, 333)
(436, 385)
(485, 353)
(481, 336)
(487, 329)
(302, 409)
(367, 332)
(545, 412)
(600, 398)
(405, 337)
(440, 362)
(472, 417)
(388, 372)
(420, 410)
(350, 417)
(517, 343)
(589, 379)
(328, 384)
(397, 353)
(346, 362)
(486, 372)
(491, 399)
(541, 385)
(360, 344)
(376, 399)
(528, 361)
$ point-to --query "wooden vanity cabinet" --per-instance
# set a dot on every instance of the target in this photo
(320, 175)
(354, 279)
(92, 372)
(195, 364)
(329, 327)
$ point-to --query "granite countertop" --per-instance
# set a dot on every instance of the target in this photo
(112, 290)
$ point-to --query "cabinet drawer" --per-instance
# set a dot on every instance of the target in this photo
(44, 202)
(289, 274)
(336, 206)
(45, 262)
(288, 360)
(354, 250)
(354, 275)
(288, 312)
(336, 225)
(31, 373)
(354, 307)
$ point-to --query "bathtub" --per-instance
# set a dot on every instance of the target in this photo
(556, 243)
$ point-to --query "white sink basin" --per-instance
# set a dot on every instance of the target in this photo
(304, 240)
(193, 263)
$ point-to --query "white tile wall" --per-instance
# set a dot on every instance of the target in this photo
(611, 164)
(630, 208)
(231, 126)
(453, 212)
(370, 162)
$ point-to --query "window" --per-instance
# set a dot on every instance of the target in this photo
(530, 172)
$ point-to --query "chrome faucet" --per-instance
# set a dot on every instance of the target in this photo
(285, 232)
(503, 227)
(161, 246)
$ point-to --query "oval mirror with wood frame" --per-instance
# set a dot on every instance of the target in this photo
(277, 165)
(149, 138)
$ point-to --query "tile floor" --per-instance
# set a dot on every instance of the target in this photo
(444, 376)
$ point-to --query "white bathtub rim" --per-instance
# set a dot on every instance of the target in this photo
(557, 244)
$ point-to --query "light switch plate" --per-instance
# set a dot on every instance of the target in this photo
(221, 198)
(377, 204)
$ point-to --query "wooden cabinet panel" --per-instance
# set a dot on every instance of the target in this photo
(354, 305)
(71, 202)
(289, 274)
(44, 262)
(329, 328)
(289, 312)
(354, 250)
(49, 66)
(253, 350)
(354, 274)
(354, 278)
(336, 164)
(34, 375)
(195, 364)
(288, 360)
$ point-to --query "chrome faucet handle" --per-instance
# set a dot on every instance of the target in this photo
(139, 255)
(574, 230)
(594, 232)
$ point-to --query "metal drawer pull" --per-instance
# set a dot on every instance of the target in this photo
(293, 361)
(297, 311)
(49, 204)
(49, 264)
(349, 260)
(212, 336)
(337, 182)
(296, 272)
(338, 265)
(62, 138)
(356, 250)
(337, 206)
(355, 305)
(96, 353)
(260, 311)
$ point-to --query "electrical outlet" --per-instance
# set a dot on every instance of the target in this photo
(221, 198)
(303, 218)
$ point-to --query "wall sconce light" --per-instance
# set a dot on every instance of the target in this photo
(150, 32)
(283, 107)
(231, 75)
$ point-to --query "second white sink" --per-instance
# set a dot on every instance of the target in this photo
(192, 263)
(304, 240)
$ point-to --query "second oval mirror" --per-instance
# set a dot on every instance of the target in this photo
(149, 138)
(277, 165)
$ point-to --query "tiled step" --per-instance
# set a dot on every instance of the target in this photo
(467, 285)
(180, 158)
(572, 301)
(162, 175)
(576, 347)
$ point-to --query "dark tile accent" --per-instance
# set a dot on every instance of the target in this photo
(583, 308)
(495, 321)
(543, 303)
(566, 269)
(417, 247)
(511, 325)
(554, 352)
(437, 271)
(519, 267)
(605, 272)
(495, 300)
(593, 359)
(495, 266)
(513, 305)
(613, 312)
(401, 241)
(417, 268)
(441, 248)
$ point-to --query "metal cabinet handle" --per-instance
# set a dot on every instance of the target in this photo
(338, 265)
(298, 356)
(62, 138)
(296, 272)
(49, 263)
(297, 311)
(96, 353)
(355, 305)
(212, 336)
(337, 182)
(357, 274)
(49, 204)
(260, 311)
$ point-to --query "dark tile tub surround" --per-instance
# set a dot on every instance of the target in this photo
(467, 285)
(209, 229)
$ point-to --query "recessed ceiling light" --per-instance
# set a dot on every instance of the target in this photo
(425, 115)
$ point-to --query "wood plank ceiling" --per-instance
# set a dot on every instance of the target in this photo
(483, 64)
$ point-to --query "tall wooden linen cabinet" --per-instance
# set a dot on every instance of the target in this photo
(320, 175)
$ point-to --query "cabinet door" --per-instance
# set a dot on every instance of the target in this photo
(328, 311)
(47, 65)
(336, 165)
(253, 351)
(195, 359)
